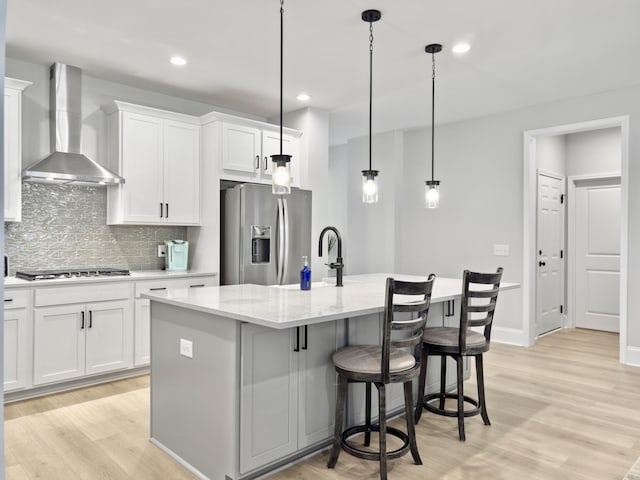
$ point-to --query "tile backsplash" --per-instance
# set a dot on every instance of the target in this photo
(65, 226)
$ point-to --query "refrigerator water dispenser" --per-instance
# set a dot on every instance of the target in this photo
(260, 244)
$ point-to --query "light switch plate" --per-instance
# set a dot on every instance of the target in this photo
(186, 348)
(501, 250)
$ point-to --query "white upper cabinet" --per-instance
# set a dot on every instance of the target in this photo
(158, 154)
(246, 148)
(13, 148)
(271, 146)
(240, 148)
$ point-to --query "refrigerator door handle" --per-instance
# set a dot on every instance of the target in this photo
(286, 252)
(279, 241)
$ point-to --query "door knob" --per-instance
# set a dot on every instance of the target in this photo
(541, 264)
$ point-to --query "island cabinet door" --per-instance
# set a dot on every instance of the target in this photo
(317, 381)
(268, 396)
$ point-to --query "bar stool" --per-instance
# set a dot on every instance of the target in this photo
(479, 295)
(395, 361)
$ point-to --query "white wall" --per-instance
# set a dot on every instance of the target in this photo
(371, 233)
(3, 18)
(338, 188)
(315, 146)
(593, 152)
(480, 165)
(551, 152)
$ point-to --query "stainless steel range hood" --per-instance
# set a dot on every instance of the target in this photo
(67, 164)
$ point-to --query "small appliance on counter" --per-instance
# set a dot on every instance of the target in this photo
(176, 256)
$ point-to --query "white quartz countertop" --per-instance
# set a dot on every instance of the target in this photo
(13, 282)
(287, 306)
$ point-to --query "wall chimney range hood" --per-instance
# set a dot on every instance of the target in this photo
(67, 164)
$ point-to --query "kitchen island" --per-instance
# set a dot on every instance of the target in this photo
(241, 376)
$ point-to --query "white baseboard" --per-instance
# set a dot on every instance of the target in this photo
(512, 336)
(632, 356)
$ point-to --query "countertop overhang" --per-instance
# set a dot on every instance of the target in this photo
(284, 307)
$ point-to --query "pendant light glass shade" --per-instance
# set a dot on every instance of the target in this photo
(432, 194)
(369, 186)
(432, 187)
(281, 172)
(281, 175)
(369, 177)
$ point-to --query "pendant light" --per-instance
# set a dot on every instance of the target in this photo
(281, 173)
(432, 190)
(369, 177)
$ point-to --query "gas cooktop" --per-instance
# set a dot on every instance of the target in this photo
(71, 273)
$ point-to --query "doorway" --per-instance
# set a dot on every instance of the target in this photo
(530, 253)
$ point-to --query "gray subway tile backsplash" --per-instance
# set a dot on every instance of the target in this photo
(65, 226)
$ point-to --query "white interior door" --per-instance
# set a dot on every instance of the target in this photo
(597, 250)
(550, 286)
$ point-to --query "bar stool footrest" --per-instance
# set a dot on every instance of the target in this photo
(366, 454)
(450, 413)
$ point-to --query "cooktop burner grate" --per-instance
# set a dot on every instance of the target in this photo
(71, 273)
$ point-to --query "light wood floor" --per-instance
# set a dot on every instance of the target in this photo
(563, 409)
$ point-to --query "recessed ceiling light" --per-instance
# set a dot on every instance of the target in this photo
(461, 47)
(178, 61)
(304, 97)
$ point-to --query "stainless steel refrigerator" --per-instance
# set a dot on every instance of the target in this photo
(263, 236)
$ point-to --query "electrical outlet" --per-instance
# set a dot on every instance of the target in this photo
(501, 250)
(186, 348)
(162, 250)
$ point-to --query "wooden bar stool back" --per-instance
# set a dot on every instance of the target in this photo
(478, 303)
(397, 360)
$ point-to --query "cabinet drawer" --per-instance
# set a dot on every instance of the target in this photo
(168, 283)
(16, 298)
(81, 294)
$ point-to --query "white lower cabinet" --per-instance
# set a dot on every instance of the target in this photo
(71, 341)
(287, 390)
(142, 311)
(81, 330)
(17, 339)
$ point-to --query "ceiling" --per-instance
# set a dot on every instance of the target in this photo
(522, 53)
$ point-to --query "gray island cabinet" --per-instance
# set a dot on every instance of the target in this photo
(241, 376)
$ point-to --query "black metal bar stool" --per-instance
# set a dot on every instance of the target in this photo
(395, 361)
(479, 296)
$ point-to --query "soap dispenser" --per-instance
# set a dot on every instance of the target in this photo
(305, 275)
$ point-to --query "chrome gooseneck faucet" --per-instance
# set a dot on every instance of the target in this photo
(337, 265)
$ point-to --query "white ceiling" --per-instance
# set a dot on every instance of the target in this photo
(523, 52)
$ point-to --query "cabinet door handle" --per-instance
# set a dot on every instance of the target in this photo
(90, 318)
(297, 349)
(306, 338)
(157, 288)
(160, 209)
(166, 215)
(265, 164)
(197, 286)
(8, 300)
(82, 324)
(257, 162)
(542, 264)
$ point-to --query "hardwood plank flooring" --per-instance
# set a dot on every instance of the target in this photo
(563, 409)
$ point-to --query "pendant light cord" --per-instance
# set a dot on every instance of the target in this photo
(433, 99)
(281, 69)
(370, 85)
